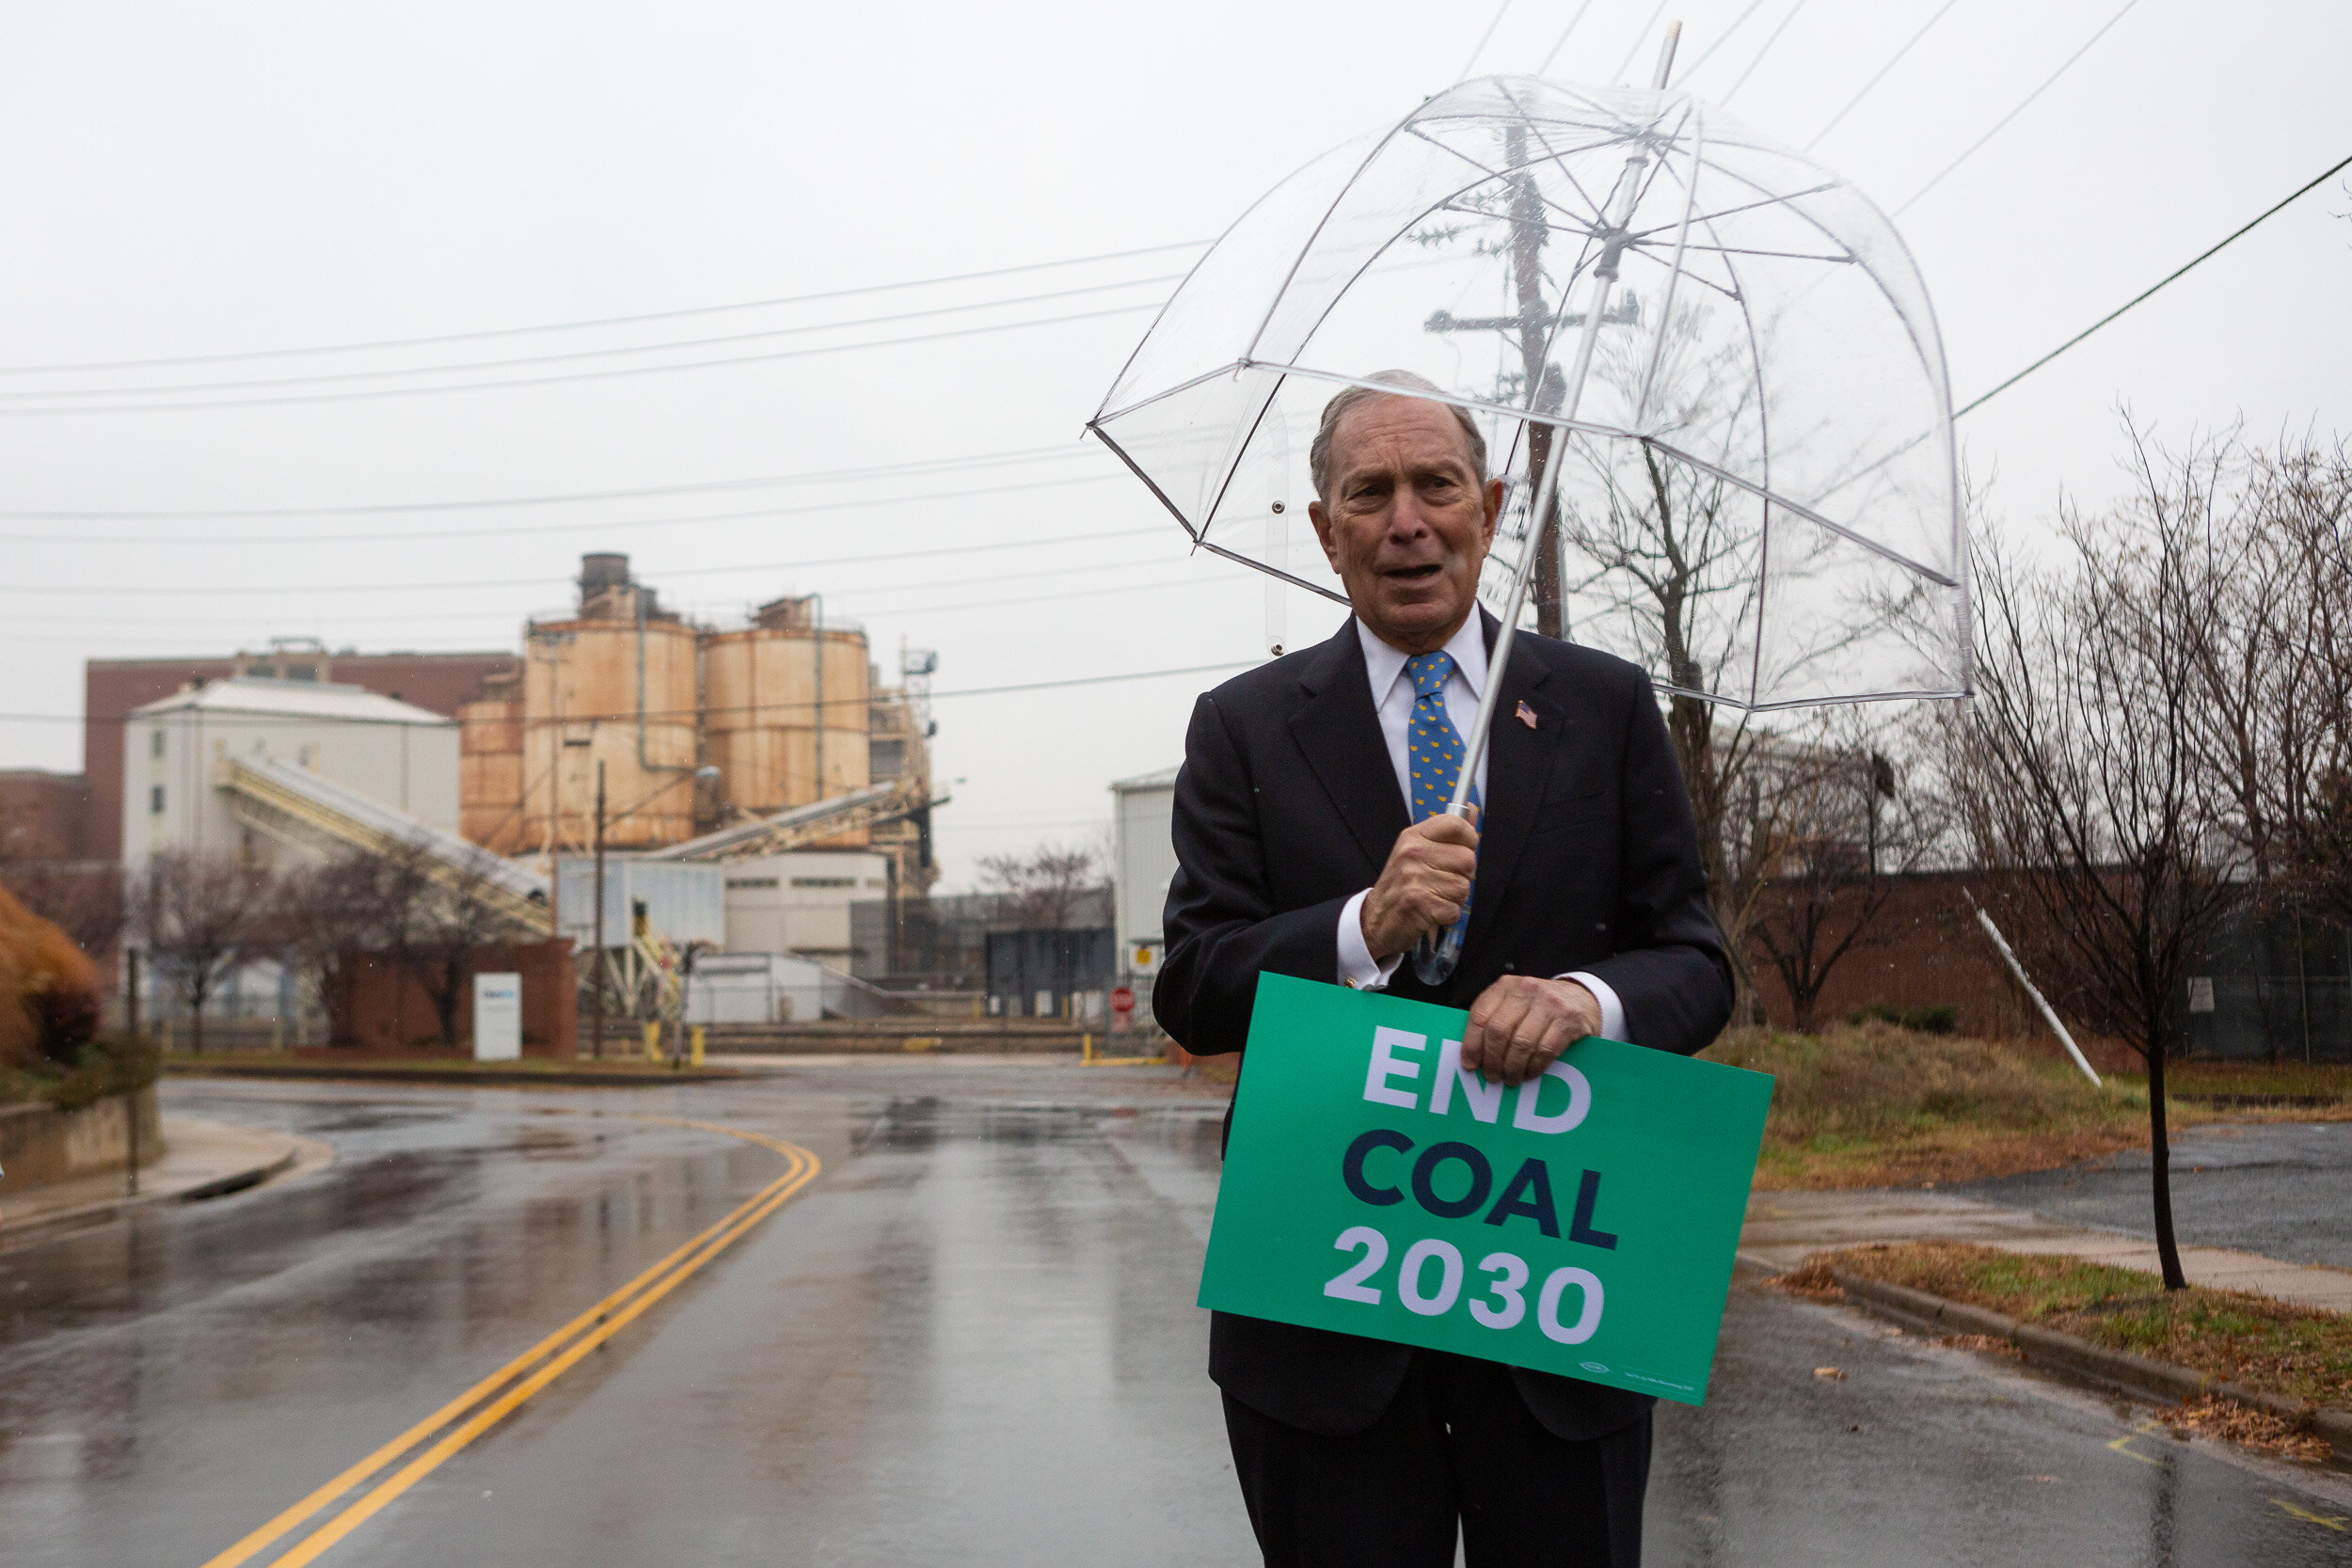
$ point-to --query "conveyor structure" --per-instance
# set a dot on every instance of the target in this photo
(297, 807)
(798, 826)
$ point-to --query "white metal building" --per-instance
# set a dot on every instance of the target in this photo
(799, 902)
(397, 755)
(1144, 855)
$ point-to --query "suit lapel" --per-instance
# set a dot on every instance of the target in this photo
(1339, 733)
(1518, 768)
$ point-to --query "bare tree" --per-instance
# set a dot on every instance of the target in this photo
(2275, 658)
(1846, 834)
(430, 915)
(1040, 890)
(321, 912)
(1674, 556)
(200, 917)
(2079, 773)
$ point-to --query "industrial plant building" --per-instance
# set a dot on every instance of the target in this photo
(693, 729)
(756, 779)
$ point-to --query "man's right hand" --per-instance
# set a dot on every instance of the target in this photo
(1423, 887)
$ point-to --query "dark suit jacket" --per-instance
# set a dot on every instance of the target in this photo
(1287, 806)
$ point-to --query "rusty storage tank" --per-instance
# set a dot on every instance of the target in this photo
(490, 765)
(784, 706)
(615, 684)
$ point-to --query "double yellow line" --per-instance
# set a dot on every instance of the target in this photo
(490, 1401)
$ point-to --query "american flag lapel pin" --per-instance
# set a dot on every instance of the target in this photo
(1526, 716)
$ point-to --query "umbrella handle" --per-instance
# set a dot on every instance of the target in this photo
(1434, 958)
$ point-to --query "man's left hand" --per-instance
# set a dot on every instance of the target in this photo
(1519, 1024)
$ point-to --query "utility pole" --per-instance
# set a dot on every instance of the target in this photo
(595, 985)
(1542, 384)
(130, 1042)
(551, 843)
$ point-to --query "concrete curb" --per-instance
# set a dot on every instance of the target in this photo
(106, 1210)
(490, 1077)
(2077, 1359)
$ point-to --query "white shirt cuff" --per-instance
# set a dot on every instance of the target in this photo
(1357, 968)
(1611, 1010)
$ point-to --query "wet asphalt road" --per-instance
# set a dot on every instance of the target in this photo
(2281, 1189)
(969, 1341)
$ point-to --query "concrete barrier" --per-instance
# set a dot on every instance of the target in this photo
(40, 1144)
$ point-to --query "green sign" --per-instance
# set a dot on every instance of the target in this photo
(1582, 1224)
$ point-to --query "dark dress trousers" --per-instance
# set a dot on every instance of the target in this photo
(1287, 806)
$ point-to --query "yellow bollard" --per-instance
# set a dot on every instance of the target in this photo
(697, 1048)
(1085, 1049)
(653, 1042)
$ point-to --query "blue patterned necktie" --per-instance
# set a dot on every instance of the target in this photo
(1434, 752)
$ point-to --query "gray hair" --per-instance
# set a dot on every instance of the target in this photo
(1319, 456)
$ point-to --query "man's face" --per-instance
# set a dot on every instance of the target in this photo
(1408, 524)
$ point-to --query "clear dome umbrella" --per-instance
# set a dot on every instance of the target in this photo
(1707, 363)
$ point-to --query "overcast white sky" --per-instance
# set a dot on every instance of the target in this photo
(186, 181)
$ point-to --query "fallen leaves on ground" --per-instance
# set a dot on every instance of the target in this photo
(1984, 1344)
(2248, 1428)
(1812, 1282)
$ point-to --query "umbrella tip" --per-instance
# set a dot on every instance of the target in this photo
(1666, 54)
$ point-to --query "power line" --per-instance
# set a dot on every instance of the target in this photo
(819, 476)
(894, 611)
(572, 528)
(1723, 38)
(1061, 685)
(1562, 41)
(582, 326)
(860, 611)
(1758, 60)
(2021, 105)
(1635, 47)
(2173, 275)
(546, 578)
(1892, 61)
(413, 616)
(575, 356)
(577, 376)
(1463, 74)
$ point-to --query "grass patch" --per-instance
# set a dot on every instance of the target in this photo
(2277, 1348)
(2255, 1082)
(1875, 1106)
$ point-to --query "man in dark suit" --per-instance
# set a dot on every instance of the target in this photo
(1311, 840)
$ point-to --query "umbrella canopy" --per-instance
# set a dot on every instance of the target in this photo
(1719, 352)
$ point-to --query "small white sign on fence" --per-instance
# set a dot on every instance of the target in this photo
(498, 1018)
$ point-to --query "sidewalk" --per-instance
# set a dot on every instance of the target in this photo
(203, 1159)
(1783, 1228)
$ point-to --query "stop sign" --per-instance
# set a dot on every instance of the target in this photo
(1123, 1000)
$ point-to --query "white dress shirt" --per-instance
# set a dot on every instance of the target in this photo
(1392, 698)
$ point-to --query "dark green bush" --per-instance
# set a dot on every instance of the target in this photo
(114, 1062)
(1938, 1019)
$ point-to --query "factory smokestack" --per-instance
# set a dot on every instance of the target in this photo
(602, 572)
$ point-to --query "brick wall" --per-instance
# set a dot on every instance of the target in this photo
(380, 1006)
(1923, 949)
(43, 816)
